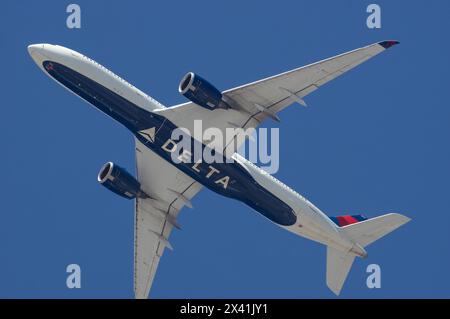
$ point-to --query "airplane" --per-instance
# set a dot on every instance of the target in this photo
(162, 186)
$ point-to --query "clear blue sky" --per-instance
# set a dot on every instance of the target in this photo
(374, 141)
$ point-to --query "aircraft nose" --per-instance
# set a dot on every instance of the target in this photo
(39, 52)
(35, 48)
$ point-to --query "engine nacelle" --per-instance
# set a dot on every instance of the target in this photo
(119, 181)
(201, 92)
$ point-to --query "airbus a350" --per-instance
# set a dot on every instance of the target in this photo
(162, 186)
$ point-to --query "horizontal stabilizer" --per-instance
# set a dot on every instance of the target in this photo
(338, 267)
(368, 231)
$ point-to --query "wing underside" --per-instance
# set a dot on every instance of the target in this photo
(155, 217)
(254, 102)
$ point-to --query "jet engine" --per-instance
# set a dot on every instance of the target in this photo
(119, 181)
(201, 92)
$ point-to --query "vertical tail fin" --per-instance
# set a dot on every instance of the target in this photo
(362, 233)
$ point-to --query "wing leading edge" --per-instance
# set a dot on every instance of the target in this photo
(259, 100)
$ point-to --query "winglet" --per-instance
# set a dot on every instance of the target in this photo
(389, 43)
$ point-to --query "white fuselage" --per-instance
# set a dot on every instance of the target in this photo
(311, 222)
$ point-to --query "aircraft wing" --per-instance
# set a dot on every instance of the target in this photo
(252, 103)
(170, 190)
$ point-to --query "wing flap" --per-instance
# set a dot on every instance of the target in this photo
(147, 251)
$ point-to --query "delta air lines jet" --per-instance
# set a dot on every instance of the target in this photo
(163, 186)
